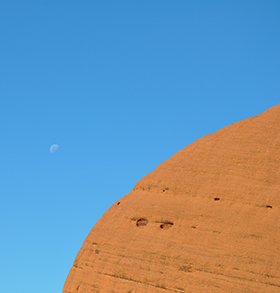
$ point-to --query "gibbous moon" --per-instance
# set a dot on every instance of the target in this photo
(54, 148)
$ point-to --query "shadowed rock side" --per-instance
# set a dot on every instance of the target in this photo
(206, 220)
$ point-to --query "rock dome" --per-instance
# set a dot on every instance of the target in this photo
(205, 220)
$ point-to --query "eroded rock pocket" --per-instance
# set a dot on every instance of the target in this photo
(166, 225)
(141, 222)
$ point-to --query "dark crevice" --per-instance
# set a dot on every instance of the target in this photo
(145, 283)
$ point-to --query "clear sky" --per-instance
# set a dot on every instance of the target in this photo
(120, 86)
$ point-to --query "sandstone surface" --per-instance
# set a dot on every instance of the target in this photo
(206, 220)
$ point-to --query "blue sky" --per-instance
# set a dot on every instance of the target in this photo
(120, 86)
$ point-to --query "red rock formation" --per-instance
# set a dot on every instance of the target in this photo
(206, 220)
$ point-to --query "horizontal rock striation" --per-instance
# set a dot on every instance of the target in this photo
(206, 220)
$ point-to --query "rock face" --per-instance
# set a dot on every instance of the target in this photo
(206, 220)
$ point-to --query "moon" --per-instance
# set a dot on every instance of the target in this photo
(54, 148)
